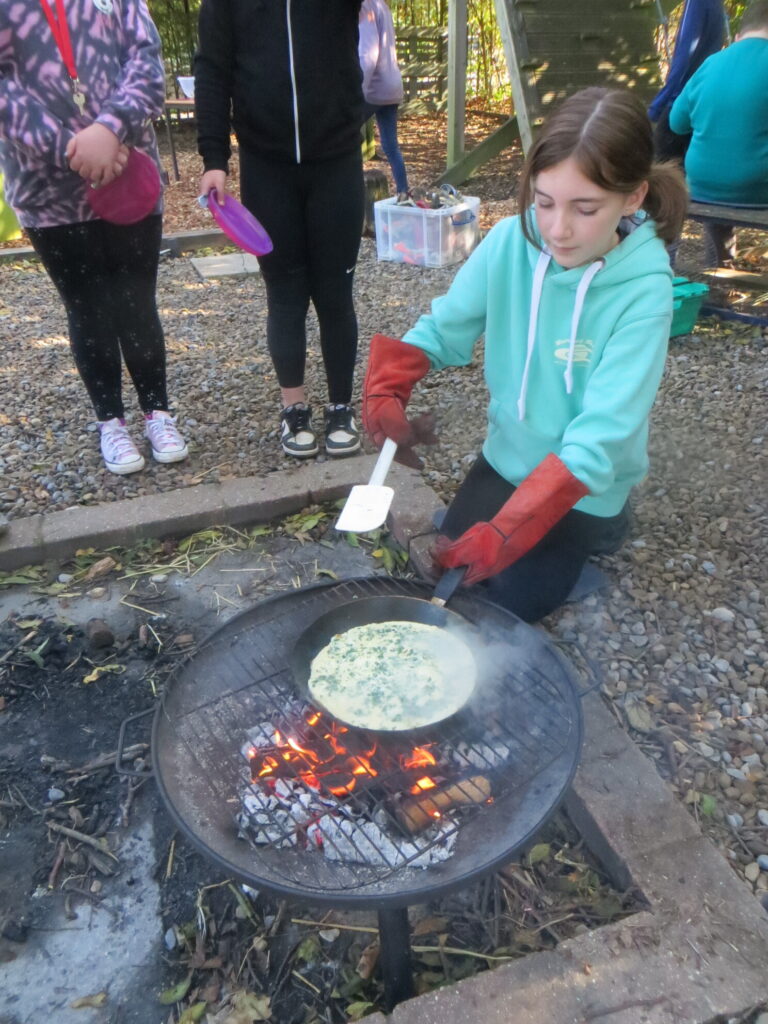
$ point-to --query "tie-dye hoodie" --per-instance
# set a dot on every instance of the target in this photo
(117, 56)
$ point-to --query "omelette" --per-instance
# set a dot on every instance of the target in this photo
(391, 676)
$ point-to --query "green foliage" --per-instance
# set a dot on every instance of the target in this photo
(176, 22)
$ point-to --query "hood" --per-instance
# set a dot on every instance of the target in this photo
(637, 253)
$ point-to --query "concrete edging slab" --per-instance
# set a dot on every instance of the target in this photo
(57, 535)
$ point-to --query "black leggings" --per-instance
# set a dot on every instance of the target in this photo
(313, 213)
(106, 275)
(543, 578)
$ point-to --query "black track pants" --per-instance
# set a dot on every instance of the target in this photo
(313, 213)
(542, 579)
(106, 275)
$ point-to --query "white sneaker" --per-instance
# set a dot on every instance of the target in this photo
(167, 443)
(120, 453)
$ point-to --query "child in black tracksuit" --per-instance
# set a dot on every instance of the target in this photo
(286, 78)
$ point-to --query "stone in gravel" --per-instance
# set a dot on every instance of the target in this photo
(65, 577)
(752, 872)
(734, 820)
(3, 524)
(159, 577)
(99, 634)
(723, 614)
(96, 593)
(762, 816)
(762, 861)
(54, 795)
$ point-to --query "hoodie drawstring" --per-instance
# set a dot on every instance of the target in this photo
(581, 293)
(533, 319)
(536, 290)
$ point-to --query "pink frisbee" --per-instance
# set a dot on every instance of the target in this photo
(131, 197)
(238, 224)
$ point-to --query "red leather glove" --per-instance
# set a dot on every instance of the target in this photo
(393, 368)
(541, 500)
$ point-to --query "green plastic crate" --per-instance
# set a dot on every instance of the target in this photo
(687, 299)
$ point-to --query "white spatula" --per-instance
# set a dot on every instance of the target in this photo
(368, 504)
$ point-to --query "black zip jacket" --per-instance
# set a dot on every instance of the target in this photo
(285, 74)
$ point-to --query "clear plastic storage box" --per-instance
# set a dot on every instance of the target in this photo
(426, 238)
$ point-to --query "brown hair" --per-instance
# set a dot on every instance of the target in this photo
(608, 134)
(755, 18)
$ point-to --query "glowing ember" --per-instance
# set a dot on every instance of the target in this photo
(324, 754)
(318, 753)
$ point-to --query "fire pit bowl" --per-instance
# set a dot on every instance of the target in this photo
(355, 828)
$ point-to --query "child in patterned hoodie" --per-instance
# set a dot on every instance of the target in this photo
(80, 81)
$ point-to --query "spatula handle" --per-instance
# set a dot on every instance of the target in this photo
(447, 583)
(384, 461)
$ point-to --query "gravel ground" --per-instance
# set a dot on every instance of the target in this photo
(680, 632)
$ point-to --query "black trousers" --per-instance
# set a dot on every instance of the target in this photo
(106, 275)
(313, 213)
(542, 579)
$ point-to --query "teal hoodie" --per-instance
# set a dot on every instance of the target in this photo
(576, 376)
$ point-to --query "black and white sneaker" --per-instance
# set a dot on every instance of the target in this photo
(296, 434)
(341, 434)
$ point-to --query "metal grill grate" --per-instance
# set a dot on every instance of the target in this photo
(527, 709)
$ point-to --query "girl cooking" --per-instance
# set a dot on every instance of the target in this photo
(574, 297)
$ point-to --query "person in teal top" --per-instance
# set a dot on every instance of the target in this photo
(725, 107)
(574, 298)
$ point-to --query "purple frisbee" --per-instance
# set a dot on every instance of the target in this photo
(238, 224)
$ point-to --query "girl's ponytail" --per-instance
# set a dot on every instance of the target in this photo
(667, 200)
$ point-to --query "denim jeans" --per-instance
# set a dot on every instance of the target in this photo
(386, 120)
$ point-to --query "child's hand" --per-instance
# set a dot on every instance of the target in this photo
(95, 154)
(214, 179)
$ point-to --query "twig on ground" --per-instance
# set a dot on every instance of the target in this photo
(81, 837)
(60, 852)
(105, 760)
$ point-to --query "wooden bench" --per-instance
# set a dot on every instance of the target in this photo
(739, 217)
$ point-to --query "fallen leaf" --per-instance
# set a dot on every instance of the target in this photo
(366, 965)
(355, 1011)
(93, 1002)
(102, 670)
(247, 1007)
(430, 925)
(327, 572)
(101, 568)
(308, 950)
(193, 1013)
(638, 716)
(538, 853)
(177, 992)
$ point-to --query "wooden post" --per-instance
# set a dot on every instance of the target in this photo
(457, 78)
(524, 94)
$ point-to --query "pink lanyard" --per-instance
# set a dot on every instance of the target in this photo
(63, 40)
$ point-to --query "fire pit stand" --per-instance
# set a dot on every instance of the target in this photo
(520, 736)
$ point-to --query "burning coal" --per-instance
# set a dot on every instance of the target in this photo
(317, 784)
